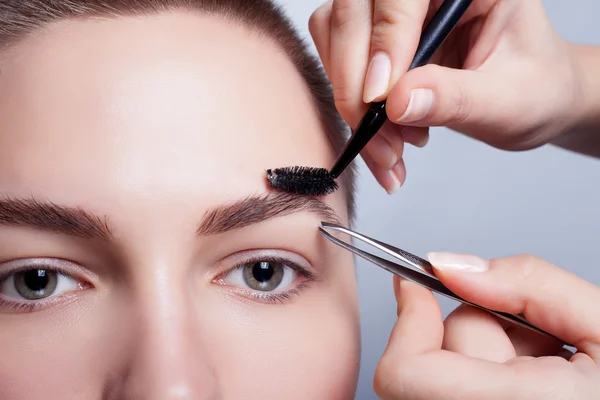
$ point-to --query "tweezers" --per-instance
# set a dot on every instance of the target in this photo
(417, 270)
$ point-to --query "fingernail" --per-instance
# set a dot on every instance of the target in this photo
(378, 77)
(417, 136)
(420, 103)
(399, 172)
(395, 182)
(457, 262)
(422, 142)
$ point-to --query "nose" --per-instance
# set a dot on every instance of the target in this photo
(170, 360)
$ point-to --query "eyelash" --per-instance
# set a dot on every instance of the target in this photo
(270, 298)
(27, 307)
(275, 298)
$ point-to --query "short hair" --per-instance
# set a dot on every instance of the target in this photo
(19, 18)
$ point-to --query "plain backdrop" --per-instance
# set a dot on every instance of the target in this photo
(463, 196)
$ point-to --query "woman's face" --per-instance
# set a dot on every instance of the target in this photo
(142, 255)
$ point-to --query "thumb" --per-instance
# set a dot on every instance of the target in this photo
(551, 298)
(468, 101)
(394, 38)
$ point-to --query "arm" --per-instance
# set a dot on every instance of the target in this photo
(585, 136)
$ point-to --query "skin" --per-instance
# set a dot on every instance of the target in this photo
(140, 121)
(504, 57)
(472, 355)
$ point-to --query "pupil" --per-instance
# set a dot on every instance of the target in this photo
(262, 271)
(36, 279)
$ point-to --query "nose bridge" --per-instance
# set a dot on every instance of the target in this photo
(170, 360)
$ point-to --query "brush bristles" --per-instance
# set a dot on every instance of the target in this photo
(302, 180)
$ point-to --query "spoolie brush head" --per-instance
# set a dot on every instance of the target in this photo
(302, 180)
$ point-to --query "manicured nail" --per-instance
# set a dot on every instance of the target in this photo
(378, 77)
(395, 182)
(422, 142)
(457, 262)
(418, 137)
(399, 171)
(420, 103)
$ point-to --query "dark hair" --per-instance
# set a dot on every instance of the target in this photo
(18, 18)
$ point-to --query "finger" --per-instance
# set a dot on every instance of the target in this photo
(386, 178)
(447, 375)
(528, 343)
(383, 156)
(417, 136)
(475, 333)
(414, 366)
(349, 55)
(387, 146)
(382, 152)
(319, 26)
(467, 101)
(565, 354)
(419, 328)
(399, 171)
(397, 27)
(395, 138)
(551, 298)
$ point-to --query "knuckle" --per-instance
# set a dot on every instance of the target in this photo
(388, 15)
(526, 266)
(525, 269)
(319, 18)
(383, 33)
(462, 104)
(391, 20)
(343, 102)
(342, 13)
(390, 377)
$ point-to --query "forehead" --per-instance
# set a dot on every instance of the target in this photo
(175, 101)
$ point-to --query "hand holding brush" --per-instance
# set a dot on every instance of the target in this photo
(503, 76)
(319, 181)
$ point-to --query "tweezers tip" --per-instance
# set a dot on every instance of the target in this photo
(325, 225)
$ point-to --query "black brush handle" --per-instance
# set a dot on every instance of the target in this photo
(434, 34)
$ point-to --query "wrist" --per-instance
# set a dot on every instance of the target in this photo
(583, 130)
(587, 59)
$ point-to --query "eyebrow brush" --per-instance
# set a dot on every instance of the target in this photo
(319, 181)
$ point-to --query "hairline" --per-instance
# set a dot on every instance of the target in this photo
(302, 58)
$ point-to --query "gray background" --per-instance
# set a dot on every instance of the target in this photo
(463, 196)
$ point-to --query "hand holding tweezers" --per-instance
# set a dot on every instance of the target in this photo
(415, 269)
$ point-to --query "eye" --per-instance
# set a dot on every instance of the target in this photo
(268, 278)
(31, 283)
(264, 276)
(37, 284)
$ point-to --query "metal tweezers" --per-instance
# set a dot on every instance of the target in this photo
(415, 269)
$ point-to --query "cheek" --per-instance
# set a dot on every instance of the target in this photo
(64, 354)
(305, 349)
(308, 349)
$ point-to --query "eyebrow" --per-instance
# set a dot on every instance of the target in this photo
(74, 221)
(255, 209)
(51, 217)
